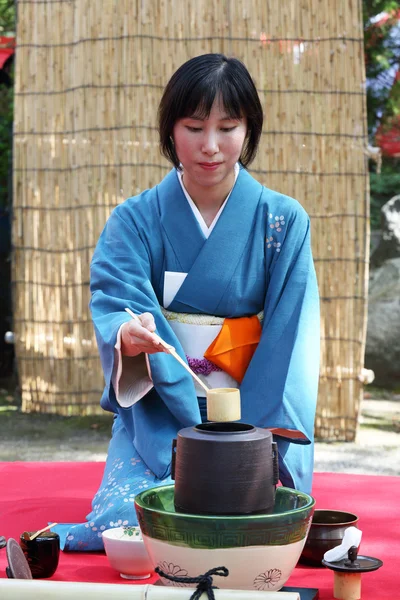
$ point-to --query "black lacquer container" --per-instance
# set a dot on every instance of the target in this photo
(42, 553)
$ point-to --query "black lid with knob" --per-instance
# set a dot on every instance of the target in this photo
(354, 563)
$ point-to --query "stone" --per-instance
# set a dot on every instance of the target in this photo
(382, 353)
(389, 244)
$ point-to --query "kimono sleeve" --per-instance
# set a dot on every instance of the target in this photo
(282, 378)
(120, 277)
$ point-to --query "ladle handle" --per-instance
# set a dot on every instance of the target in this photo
(174, 353)
(171, 350)
(35, 535)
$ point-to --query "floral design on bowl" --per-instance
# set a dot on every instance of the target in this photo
(254, 548)
(132, 531)
(267, 580)
(175, 570)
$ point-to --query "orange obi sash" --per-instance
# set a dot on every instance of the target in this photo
(234, 346)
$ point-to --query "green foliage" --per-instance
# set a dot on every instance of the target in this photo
(7, 17)
(382, 57)
(383, 187)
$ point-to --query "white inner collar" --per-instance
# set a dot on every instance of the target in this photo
(203, 225)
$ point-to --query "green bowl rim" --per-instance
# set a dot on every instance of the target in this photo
(310, 504)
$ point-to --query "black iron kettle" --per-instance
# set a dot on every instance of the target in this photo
(224, 468)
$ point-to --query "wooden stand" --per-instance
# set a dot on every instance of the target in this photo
(347, 573)
(347, 586)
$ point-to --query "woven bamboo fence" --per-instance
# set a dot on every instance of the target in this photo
(89, 76)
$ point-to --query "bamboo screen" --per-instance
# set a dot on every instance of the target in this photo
(89, 78)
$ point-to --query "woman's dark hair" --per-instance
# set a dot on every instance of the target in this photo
(192, 90)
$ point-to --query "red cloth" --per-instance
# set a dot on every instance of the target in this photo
(33, 493)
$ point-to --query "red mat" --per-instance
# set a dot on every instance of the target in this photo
(33, 493)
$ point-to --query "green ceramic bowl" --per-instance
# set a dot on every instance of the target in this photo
(260, 551)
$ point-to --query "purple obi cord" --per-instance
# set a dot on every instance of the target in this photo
(202, 366)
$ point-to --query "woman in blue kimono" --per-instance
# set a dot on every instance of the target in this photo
(208, 251)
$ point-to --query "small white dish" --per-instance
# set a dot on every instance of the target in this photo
(126, 552)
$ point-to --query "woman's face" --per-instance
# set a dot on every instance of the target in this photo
(208, 148)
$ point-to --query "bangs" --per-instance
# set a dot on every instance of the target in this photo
(199, 98)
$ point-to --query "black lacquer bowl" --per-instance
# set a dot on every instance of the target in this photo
(326, 532)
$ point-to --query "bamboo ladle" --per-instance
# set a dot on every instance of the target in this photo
(171, 350)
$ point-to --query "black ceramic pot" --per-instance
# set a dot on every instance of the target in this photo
(326, 531)
(224, 468)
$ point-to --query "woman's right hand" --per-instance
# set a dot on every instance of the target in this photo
(138, 337)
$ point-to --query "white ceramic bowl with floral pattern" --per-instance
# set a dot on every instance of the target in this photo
(260, 551)
(127, 553)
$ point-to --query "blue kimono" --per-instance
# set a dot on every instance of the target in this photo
(257, 258)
